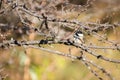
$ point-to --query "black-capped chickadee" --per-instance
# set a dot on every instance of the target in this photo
(78, 37)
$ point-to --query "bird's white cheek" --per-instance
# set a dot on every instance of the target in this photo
(81, 35)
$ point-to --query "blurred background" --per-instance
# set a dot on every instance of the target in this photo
(22, 63)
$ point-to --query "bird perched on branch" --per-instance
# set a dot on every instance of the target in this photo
(78, 37)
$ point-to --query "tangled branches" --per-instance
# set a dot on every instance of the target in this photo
(50, 21)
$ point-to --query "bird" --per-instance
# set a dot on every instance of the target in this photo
(78, 37)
